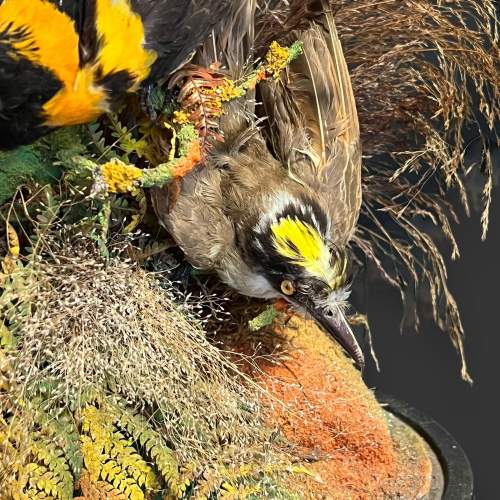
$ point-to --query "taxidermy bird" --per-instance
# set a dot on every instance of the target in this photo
(66, 62)
(272, 213)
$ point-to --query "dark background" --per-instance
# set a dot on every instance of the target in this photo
(424, 369)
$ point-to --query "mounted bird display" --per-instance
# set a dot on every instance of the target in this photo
(66, 62)
(272, 210)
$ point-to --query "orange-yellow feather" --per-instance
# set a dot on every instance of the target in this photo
(51, 41)
(81, 102)
(122, 33)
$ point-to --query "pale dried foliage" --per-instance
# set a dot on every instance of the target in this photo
(423, 71)
(418, 67)
(109, 327)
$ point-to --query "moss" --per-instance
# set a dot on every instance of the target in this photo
(23, 165)
(265, 318)
(332, 417)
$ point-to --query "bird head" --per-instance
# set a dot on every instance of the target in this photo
(290, 250)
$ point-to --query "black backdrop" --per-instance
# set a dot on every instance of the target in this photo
(423, 369)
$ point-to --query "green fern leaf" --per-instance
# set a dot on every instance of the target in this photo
(109, 453)
(127, 143)
(61, 479)
(155, 446)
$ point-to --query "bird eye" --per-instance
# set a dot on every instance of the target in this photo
(287, 287)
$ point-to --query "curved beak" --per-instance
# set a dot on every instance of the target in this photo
(335, 324)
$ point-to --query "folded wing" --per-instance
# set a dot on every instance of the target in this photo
(313, 124)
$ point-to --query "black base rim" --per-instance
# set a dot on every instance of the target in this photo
(459, 479)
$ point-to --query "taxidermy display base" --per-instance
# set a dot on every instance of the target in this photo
(354, 446)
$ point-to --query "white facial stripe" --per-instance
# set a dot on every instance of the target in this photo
(336, 299)
(277, 203)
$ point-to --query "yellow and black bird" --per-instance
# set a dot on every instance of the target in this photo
(272, 212)
(65, 62)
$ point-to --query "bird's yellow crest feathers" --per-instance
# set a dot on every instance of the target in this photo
(301, 243)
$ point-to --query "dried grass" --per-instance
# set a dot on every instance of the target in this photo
(109, 326)
(422, 72)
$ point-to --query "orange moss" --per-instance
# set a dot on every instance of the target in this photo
(333, 418)
(185, 164)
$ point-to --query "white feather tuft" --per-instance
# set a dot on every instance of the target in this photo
(335, 300)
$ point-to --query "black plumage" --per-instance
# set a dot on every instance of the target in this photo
(23, 86)
(173, 29)
(176, 36)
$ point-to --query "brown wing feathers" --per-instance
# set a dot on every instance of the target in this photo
(313, 124)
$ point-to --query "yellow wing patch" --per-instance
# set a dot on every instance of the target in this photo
(304, 246)
(122, 35)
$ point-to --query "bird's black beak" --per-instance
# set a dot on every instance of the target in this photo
(335, 323)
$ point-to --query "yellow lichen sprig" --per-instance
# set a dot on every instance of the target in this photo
(276, 60)
(279, 57)
(181, 117)
(189, 152)
(203, 92)
(226, 91)
(120, 177)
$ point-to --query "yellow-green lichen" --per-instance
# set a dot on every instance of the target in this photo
(120, 177)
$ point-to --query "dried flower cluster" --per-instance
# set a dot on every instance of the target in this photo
(109, 325)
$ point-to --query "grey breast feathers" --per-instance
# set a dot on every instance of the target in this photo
(197, 220)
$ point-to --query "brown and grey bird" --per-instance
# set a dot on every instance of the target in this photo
(272, 210)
